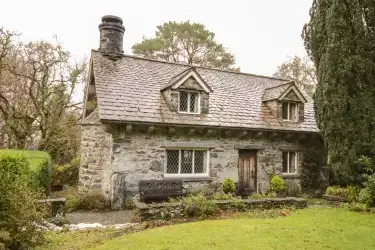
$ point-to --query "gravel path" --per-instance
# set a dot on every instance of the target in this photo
(109, 218)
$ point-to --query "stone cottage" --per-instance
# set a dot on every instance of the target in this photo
(151, 119)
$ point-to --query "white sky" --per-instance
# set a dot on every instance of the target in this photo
(260, 33)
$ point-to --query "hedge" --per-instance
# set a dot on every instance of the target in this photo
(39, 165)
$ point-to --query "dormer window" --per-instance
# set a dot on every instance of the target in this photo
(289, 111)
(188, 102)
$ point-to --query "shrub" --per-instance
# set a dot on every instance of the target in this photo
(313, 160)
(66, 174)
(19, 207)
(39, 166)
(59, 220)
(129, 204)
(263, 196)
(228, 186)
(222, 196)
(367, 194)
(349, 193)
(93, 201)
(198, 205)
(277, 184)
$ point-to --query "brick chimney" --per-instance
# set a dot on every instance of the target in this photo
(111, 36)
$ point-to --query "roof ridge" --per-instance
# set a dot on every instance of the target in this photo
(198, 66)
(278, 86)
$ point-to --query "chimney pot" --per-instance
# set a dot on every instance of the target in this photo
(111, 36)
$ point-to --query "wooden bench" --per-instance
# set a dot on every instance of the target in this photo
(158, 190)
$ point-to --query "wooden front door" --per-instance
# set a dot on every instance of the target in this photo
(247, 171)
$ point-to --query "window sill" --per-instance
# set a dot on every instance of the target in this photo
(290, 176)
(188, 178)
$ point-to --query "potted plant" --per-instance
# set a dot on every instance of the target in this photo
(277, 185)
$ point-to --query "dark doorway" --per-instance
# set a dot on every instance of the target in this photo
(247, 171)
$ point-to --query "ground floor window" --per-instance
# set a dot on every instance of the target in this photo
(290, 162)
(186, 162)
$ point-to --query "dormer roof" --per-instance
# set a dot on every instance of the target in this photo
(179, 79)
(288, 91)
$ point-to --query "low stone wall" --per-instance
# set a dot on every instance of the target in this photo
(176, 210)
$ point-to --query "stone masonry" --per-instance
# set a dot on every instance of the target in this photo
(114, 161)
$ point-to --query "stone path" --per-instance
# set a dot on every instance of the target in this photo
(109, 218)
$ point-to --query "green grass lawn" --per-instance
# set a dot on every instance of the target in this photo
(35, 158)
(312, 228)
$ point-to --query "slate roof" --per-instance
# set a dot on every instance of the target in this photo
(275, 92)
(128, 90)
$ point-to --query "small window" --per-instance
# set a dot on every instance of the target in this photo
(289, 110)
(290, 162)
(186, 162)
(189, 102)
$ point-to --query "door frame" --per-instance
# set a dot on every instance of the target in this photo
(250, 153)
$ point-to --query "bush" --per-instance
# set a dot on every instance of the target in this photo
(277, 184)
(19, 208)
(367, 194)
(39, 166)
(198, 205)
(349, 193)
(129, 204)
(93, 201)
(263, 196)
(228, 186)
(67, 174)
(312, 162)
(222, 196)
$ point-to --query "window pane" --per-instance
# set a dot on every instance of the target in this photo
(183, 101)
(186, 161)
(292, 111)
(193, 102)
(172, 161)
(285, 162)
(199, 162)
(292, 162)
(285, 111)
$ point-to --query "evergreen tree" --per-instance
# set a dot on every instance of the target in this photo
(340, 41)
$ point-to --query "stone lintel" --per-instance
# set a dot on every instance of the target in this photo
(202, 144)
(249, 146)
(291, 148)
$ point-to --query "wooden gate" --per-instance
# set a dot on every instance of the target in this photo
(247, 172)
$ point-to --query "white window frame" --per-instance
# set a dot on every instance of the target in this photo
(207, 166)
(188, 103)
(288, 111)
(295, 162)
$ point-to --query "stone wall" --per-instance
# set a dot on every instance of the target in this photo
(116, 160)
(176, 210)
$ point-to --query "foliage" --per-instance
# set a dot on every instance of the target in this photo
(339, 40)
(71, 194)
(67, 174)
(129, 204)
(185, 42)
(59, 220)
(93, 201)
(327, 229)
(312, 162)
(367, 194)
(38, 167)
(37, 84)
(198, 205)
(228, 186)
(222, 196)
(19, 207)
(349, 193)
(301, 70)
(277, 184)
(263, 196)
